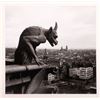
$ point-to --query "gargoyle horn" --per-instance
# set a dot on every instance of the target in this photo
(56, 26)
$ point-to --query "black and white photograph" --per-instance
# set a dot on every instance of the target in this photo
(50, 49)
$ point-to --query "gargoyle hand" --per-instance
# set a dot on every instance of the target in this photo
(39, 62)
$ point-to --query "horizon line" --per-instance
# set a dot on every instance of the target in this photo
(55, 48)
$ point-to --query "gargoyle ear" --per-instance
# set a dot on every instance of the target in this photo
(56, 26)
(50, 29)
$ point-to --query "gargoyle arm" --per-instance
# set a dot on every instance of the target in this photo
(28, 40)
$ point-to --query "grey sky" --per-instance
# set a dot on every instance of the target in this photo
(76, 24)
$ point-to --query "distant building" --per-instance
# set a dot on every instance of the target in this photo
(62, 49)
(45, 52)
(45, 56)
(63, 52)
(82, 73)
(66, 47)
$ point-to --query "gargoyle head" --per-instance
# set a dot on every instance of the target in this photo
(52, 35)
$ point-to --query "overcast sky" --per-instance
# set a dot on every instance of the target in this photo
(76, 24)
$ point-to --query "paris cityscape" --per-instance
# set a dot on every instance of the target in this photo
(74, 68)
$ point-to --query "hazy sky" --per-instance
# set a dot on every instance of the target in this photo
(76, 24)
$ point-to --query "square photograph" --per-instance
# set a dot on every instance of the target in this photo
(50, 49)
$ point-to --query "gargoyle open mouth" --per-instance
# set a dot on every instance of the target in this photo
(54, 42)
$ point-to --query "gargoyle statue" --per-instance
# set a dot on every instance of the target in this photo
(30, 38)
